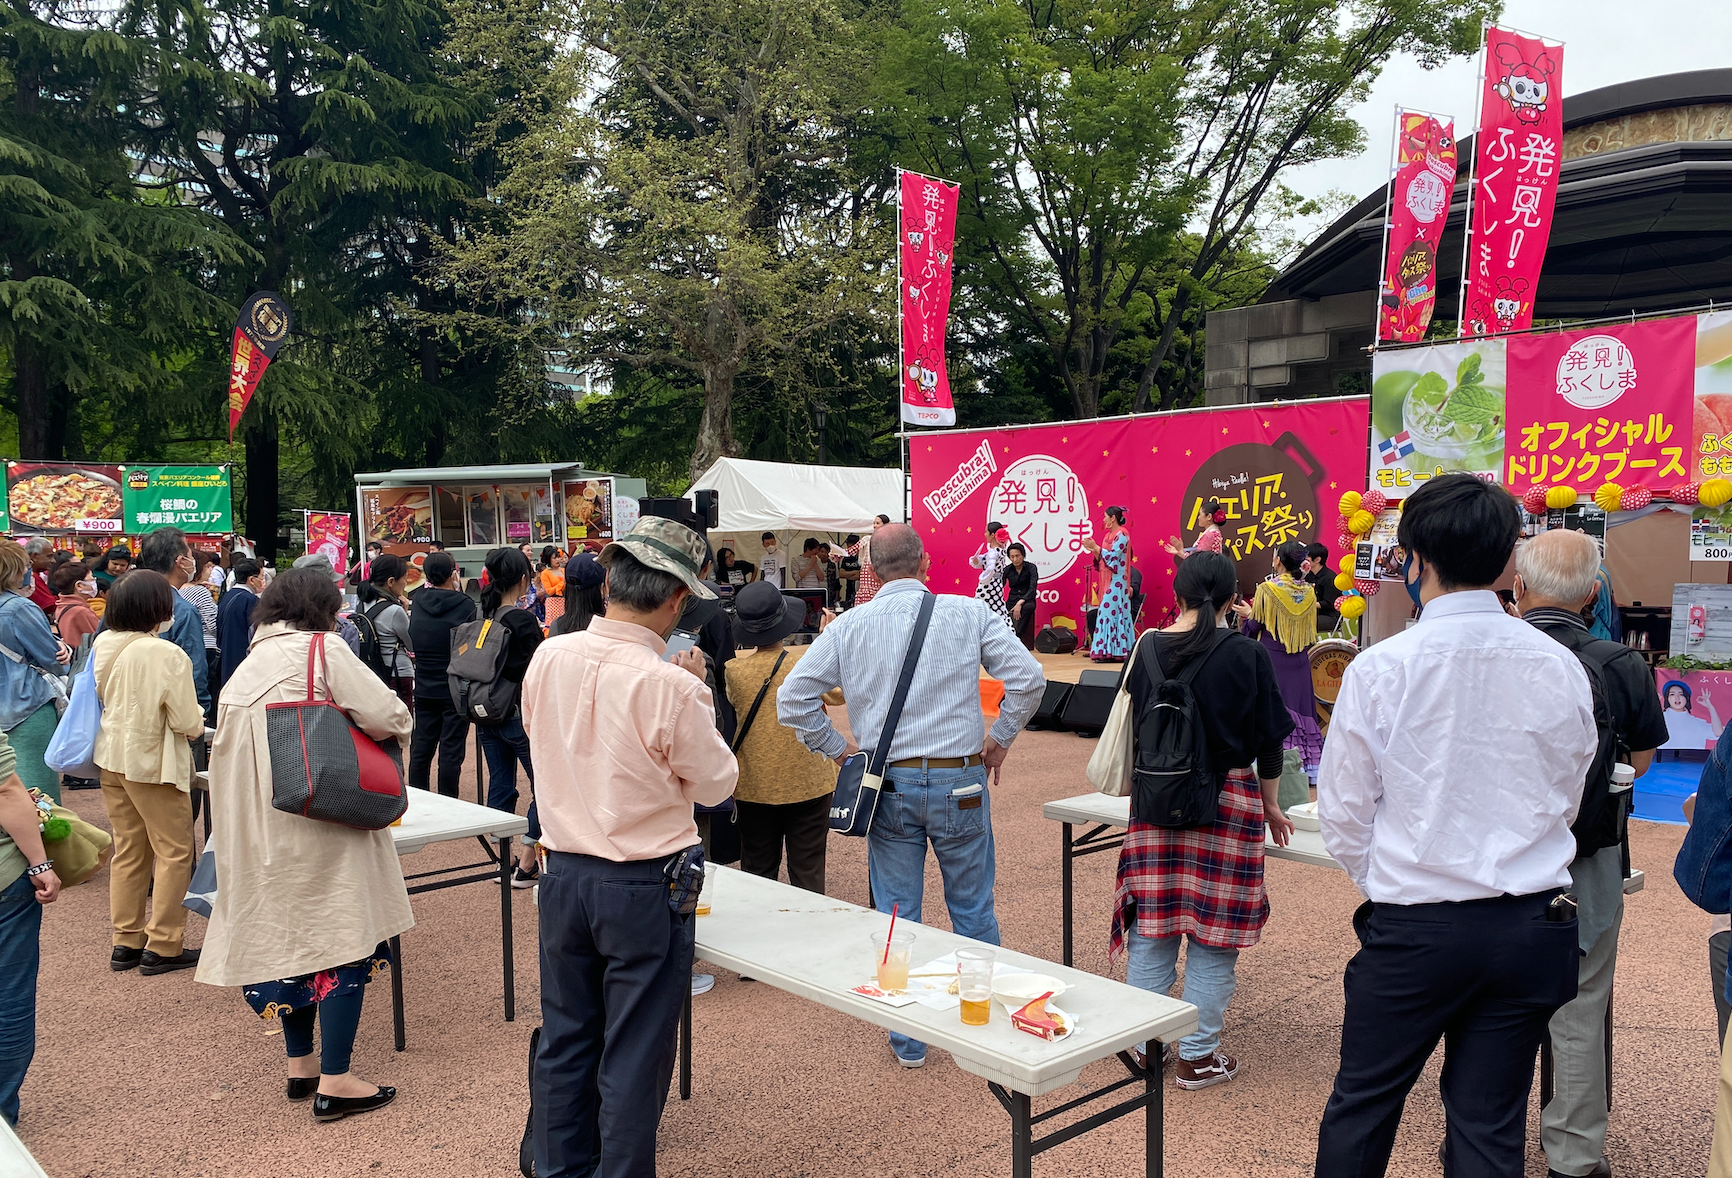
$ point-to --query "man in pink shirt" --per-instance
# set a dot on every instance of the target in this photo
(624, 744)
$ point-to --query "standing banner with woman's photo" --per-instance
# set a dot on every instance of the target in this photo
(1275, 472)
(1693, 700)
(328, 536)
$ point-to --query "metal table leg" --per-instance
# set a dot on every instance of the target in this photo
(505, 862)
(1154, 1117)
(397, 991)
(686, 1047)
(1021, 1136)
(1065, 884)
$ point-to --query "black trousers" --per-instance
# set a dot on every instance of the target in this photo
(1484, 976)
(437, 726)
(1024, 626)
(802, 827)
(616, 966)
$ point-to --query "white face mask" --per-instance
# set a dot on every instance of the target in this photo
(165, 627)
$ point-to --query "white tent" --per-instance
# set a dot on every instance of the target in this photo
(758, 497)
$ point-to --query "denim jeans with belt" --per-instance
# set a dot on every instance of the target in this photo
(949, 808)
(20, 958)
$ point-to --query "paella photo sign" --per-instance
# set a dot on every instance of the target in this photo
(1274, 473)
(64, 497)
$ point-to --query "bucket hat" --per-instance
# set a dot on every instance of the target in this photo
(667, 545)
(764, 615)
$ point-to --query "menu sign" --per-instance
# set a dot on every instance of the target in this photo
(63, 497)
(397, 515)
(192, 498)
(589, 510)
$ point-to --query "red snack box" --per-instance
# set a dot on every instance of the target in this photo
(1034, 1019)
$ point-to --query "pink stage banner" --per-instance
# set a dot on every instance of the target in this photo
(1604, 404)
(926, 218)
(1516, 153)
(1277, 472)
(1419, 204)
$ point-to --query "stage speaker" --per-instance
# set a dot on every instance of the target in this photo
(1051, 706)
(709, 505)
(1055, 640)
(1090, 702)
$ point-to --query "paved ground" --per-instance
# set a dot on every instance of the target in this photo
(161, 1076)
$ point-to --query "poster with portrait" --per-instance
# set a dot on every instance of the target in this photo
(589, 510)
(1695, 703)
(328, 536)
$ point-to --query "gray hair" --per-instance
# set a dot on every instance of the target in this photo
(38, 545)
(1559, 565)
(895, 552)
(635, 585)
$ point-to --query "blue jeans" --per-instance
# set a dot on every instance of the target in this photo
(503, 745)
(1209, 985)
(949, 808)
(20, 956)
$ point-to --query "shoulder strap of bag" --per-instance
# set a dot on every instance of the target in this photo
(881, 754)
(740, 736)
(1189, 674)
(317, 647)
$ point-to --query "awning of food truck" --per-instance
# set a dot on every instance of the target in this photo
(520, 472)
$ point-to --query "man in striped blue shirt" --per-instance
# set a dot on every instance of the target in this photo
(941, 754)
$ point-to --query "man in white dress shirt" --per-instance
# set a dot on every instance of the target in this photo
(1454, 766)
(939, 758)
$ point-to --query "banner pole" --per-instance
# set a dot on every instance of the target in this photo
(1472, 180)
(1388, 210)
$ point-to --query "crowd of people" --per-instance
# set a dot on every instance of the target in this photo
(668, 731)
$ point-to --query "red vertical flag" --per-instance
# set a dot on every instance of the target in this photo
(260, 330)
(926, 232)
(1418, 206)
(1516, 158)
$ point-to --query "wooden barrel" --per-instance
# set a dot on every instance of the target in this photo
(1329, 659)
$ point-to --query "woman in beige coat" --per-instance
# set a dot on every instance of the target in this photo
(149, 712)
(303, 908)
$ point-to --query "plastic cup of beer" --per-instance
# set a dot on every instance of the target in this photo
(974, 985)
(892, 967)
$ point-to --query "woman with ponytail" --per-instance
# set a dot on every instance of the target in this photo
(503, 745)
(1204, 883)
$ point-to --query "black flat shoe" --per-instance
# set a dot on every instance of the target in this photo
(152, 964)
(335, 1108)
(300, 1089)
(123, 959)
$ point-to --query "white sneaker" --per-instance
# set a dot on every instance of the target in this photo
(703, 983)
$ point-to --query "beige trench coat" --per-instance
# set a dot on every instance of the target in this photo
(294, 895)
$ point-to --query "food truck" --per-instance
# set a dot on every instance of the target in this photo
(473, 509)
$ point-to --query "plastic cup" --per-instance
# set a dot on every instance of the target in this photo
(892, 969)
(974, 985)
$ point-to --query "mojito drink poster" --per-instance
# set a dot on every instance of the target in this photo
(1436, 411)
(1277, 472)
(1419, 202)
(1602, 405)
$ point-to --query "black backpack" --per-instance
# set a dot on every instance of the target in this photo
(371, 652)
(1598, 824)
(479, 689)
(1172, 781)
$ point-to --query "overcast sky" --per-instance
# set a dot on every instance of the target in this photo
(1605, 41)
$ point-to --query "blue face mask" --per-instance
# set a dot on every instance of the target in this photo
(1408, 570)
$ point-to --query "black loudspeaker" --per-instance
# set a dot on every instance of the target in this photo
(1090, 702)
(1051, 706)
(1055, 640)
(709, 505)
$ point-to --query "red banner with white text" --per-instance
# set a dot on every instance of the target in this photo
(926, 239)
(1419, 204)
(1516, 156)
(1277, 472)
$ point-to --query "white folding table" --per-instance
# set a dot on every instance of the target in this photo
(15, 1160)
(818, 948)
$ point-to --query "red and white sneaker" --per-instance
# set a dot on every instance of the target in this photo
(1192, 1074)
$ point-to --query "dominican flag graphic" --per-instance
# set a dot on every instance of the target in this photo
(1395, 449)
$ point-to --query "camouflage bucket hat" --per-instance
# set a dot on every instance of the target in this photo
(669, 546)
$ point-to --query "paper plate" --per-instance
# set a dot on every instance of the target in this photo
(1019, 989)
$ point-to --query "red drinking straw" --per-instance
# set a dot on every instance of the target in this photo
(891, 933)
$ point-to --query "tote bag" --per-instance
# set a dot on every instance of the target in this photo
(73, 749)
(324, 767)
(1109, 767)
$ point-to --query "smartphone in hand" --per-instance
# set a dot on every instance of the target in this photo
(679, 642)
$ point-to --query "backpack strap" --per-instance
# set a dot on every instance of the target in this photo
(1189, 674)
(740, 736)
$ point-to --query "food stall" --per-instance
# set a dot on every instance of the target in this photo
(473, 509)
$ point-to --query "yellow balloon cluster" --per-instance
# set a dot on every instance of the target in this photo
(1345, 565)
(1560, 497)
(1361, 522)
(1350, 503)
(1344, 580)
(1715, 493)
(1350, 607)
(1608, 496)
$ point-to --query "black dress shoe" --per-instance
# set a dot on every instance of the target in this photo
(335, 1108)
(123, 959)
(301, 1089)
(152, 964)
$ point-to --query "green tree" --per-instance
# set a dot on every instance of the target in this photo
(1087, 134)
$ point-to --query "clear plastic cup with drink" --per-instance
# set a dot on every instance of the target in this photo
(974, 985)
(892, 966)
